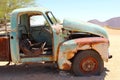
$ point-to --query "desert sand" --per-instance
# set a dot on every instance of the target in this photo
(111, 70)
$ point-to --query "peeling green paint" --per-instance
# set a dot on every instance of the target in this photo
(84, 27)
(63, 49)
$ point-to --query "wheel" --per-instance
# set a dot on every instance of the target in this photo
(87, 63)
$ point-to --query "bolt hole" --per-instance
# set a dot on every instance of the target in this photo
(11, 37)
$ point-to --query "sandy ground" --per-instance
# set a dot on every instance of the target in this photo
(112, 66)
(111, 71)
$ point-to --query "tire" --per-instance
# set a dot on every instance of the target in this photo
(87, 63)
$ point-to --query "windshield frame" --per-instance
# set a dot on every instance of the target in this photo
(51, 17)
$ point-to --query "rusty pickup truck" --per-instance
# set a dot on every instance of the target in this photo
(37, 37)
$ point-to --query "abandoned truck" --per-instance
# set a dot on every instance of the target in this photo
(36, 36)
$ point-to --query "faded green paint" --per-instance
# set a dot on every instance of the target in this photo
(14, 42)
(84, 27)
(37, 59)
(57, 40)
(63, 49)
(14, 36)
(30, 9)
(14, 26)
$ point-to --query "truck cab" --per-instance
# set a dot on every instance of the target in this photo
(36, 36)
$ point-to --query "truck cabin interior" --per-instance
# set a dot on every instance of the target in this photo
(35, 35)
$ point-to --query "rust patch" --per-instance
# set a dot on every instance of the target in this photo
(66, 66)
(70, 55)
(4, 48)
(58, 28)
(90, 41)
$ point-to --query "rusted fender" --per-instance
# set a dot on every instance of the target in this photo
(69, 48)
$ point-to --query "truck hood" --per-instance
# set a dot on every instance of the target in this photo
(87, 27)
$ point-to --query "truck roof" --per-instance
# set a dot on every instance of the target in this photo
(37, 9)
(16, 12)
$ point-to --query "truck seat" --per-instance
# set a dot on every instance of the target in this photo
(31, 49)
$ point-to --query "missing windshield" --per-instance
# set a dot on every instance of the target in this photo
(51, 18)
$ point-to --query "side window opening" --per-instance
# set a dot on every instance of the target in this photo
(37, 20)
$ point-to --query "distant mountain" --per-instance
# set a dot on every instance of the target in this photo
(112, 23)
(95, 21)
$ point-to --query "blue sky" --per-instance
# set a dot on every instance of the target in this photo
(82, 9)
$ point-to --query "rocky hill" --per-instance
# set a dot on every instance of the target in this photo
(95, 21)
(112, 23)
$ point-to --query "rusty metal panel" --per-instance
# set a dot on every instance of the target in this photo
(66, 51)
(4, 48)
(101, 45)
(90, 41)
(102, 49)
(69, 48)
